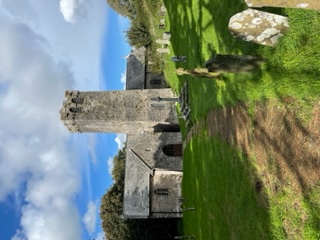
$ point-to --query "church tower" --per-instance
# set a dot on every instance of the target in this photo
(129, 111)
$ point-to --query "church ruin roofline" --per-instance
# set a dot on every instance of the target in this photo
(142, 162)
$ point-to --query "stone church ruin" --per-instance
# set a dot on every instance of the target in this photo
(146, 112)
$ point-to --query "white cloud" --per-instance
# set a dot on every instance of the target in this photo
(91, 144)
(33, 149)
(41, 56)
(123, 79)
(20, 9)
(120, 140)
(90, 217)
(73, 10)
(110, 165)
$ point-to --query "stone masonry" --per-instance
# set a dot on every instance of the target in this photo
(130, 111)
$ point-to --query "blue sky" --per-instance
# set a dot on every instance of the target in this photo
(51, 181)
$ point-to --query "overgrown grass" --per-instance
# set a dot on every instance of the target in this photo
(219, 180)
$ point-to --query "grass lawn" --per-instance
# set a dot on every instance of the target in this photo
(220, 180)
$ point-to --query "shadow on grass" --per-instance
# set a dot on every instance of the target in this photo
(291, 75)
(287, 156)
(221, 184)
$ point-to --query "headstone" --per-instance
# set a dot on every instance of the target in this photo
(166, 35)
(163, 41)
(308, 4)
(163, 50)
(258, 26)
(163, 9)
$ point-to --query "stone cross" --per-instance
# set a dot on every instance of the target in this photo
(258, 26)
(308, 4)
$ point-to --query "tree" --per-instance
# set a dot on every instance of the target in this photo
(125, 8)
(138, 34)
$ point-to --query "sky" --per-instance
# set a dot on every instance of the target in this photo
(51, 181)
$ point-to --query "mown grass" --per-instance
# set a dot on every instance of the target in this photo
(219, 180)
(199, 30)
(220, 185)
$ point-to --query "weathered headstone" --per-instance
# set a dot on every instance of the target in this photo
(307, 4)
(163, 9)
(258, 26)
(163, 50)
(163, 41)
(162, 21)
(166, 35)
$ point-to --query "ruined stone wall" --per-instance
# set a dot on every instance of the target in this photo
(131, 111)
(149, 147)
(165, 194)
(155, 80)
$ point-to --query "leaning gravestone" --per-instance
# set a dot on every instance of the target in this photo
(258, 26)
(308, 4)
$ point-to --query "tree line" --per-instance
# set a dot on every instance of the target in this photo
(138, 34)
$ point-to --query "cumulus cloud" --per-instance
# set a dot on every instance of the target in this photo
(73, 10)
(120, 140)
(90, 217)
(34, 155)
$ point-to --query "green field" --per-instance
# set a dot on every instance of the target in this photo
(219, 179)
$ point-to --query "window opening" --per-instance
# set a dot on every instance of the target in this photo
(77, 100)
(162, 191)
(75, 109)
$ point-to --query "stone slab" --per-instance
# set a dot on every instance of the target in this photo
(307, 4)
(259, 27)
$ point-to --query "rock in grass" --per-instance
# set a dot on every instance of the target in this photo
(258, 26)
(307, 4)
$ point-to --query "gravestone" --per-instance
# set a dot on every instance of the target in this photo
(307, 4)
(163, 50)
(258, 26)
(163, 41)
(166, 35)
